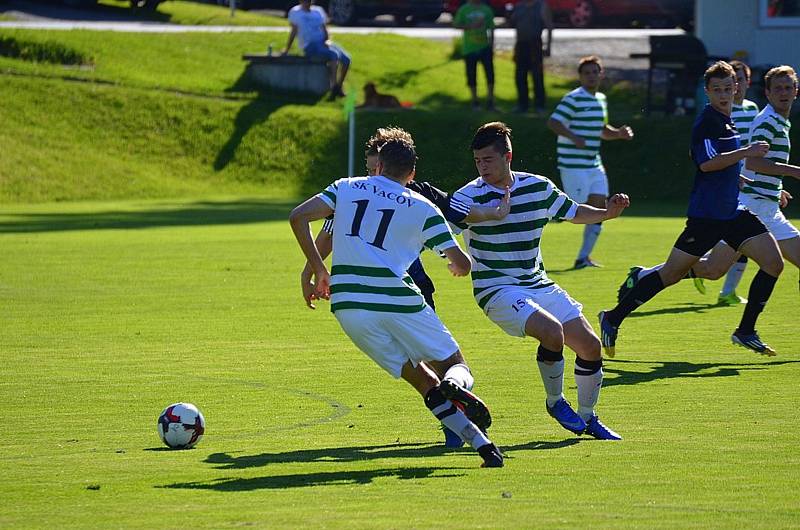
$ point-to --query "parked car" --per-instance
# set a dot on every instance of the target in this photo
(586, 13)
(347, 12)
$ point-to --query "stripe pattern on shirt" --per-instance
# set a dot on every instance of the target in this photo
(770, 127)
(586, 115)
(742, 117)
(506, 253)
(379, 230)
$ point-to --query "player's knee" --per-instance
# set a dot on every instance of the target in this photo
(590, 349)
(550, 333)
(773, 267)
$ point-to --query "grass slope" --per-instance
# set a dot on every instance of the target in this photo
(114, 310)
(172, 115)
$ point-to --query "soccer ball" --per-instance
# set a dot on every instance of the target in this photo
(181, 426)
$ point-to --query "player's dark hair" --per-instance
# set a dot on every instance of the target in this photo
(383, 135)
(718, 70)
(589, 59)
(496, 134)
(739, 65)
(398, 157)
(780, 71)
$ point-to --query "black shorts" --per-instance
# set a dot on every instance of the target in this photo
(701, 235)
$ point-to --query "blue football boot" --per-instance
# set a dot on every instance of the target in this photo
(566, 416)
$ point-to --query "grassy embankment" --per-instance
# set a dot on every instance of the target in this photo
(168, 115)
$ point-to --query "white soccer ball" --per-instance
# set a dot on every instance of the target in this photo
(181, 426)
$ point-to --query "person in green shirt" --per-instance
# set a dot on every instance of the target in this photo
(477, 21)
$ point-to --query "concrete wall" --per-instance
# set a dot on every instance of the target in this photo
(729, 26)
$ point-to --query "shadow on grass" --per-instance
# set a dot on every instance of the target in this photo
(190, 214)
(254, 113)
(686, 307)
(678, 369)
(344, 454)
(368, 452)
(302, 480)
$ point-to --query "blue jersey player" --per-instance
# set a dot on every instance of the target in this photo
(714, 215)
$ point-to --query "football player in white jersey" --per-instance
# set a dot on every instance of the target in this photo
(509, 279)
(381, 225)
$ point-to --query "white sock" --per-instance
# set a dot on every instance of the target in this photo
(460, 375)
(733, 278)
(589, 379)
(553, 378)
(459, 423)
(590, 235)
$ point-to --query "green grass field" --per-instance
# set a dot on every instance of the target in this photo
(111, 311)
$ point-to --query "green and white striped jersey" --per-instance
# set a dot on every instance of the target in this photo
(742, 117)
(380, 228)
(770, 127)
(506, 253)
(586, 115)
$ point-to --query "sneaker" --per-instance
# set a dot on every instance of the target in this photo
(594, 427)
(451, 439)
(699, 284)
(519, 110)
(630, 282)
(730, 299)
(492, 457)
(608, 334)
(752, 341)
(490, 106)
(476, 105)
(476, 410)
(564, 414)
(585, 262)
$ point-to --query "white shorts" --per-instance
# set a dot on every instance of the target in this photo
(512, 308)
(393, 339)
(580, 183)
(771, 215)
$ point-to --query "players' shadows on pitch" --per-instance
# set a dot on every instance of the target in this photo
(360, 453)
(303, 480)
(672, 369)
(181, 214)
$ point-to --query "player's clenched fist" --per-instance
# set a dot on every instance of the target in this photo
(617, 203)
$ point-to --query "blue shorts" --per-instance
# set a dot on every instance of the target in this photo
(330, 52)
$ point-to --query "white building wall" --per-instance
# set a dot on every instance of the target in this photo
(730, 26)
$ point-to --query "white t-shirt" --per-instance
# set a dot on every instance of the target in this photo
(309, 24)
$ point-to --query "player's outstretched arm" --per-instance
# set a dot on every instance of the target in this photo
(490, 213)
(300, 219)
(459, 265)
(324, 243)
(770, 167)
(723, 160)
(586, 215)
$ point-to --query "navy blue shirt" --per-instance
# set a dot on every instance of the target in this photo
(715, 194)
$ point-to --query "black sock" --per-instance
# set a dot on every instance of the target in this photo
(760, 291)
(648, 286)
